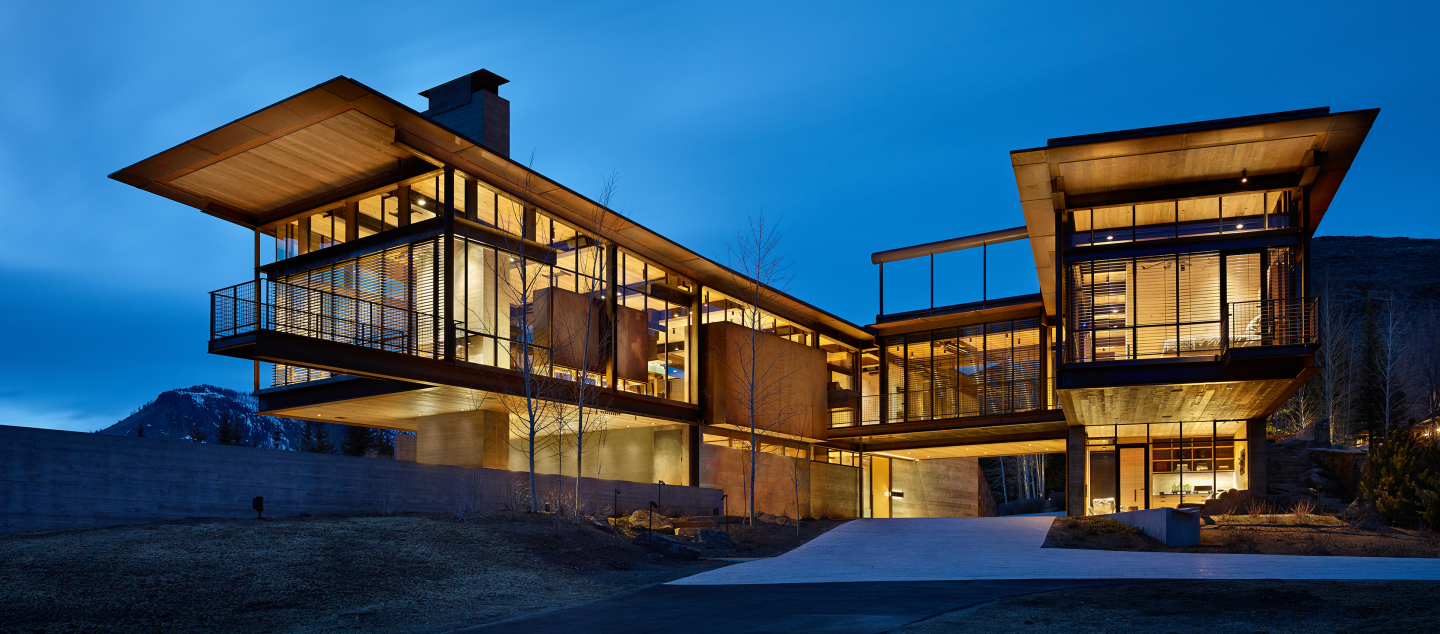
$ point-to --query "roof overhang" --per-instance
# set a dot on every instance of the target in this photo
(343, 139)
(1305, 148)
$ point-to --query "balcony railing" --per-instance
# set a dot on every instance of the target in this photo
(324, 315)
(1005, 397)
(1274, 322)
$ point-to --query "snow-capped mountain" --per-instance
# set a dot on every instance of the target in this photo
(173, 414)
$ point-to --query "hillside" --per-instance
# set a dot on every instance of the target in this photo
(174, 413)
(1408, 267)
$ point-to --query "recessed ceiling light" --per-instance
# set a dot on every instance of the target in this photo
(422, 203)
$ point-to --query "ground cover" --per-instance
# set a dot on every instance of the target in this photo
(1272, 534)
(410, 573)
(1211, 607)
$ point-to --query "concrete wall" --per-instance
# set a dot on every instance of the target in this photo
(834, 490)
(726, 468)
(640, 454)
(948, 487)
(463, 439)
(62, 480)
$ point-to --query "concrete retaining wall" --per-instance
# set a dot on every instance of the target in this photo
(62, 480)
(948, 487)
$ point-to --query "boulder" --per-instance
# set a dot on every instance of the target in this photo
(666, 545)
(1317, 478)
(774, 519)
(1293, 443)
(642, 521)
(718, 540)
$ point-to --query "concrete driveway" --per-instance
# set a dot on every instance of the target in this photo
(959, 549)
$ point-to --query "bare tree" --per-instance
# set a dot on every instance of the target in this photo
(1389, 358)
(586, 394)
(1337, 360)
(757, 362)
(1423, 363)
(521, 276)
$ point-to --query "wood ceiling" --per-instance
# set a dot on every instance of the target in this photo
(993, 450)
(1239, 400)
(344, 149)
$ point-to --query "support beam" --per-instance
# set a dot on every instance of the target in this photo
(1075, 458)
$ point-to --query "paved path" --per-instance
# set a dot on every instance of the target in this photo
(954, 549)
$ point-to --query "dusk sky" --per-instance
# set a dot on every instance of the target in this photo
(863, 127)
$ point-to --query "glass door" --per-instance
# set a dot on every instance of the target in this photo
(1131, 478)
(1102, 489)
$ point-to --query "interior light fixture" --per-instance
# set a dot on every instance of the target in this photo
(1244, 176)
(422, 203)
(1109, 237)
(1240, 225)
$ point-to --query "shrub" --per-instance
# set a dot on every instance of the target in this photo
(1401, 481)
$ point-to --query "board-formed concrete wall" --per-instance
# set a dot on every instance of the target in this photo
(948, 487)
(62, 480)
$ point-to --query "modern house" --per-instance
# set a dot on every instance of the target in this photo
(410, 275)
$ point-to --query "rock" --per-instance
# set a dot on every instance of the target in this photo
(774, 519)
(602, 525)
(666, 545)
(1292, 443)
(1315, 478)
(642, 521)
(719, 540)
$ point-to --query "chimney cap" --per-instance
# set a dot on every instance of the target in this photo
(479, 80)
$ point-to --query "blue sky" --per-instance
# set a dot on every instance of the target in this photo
(863, 126)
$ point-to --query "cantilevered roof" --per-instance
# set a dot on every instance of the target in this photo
(342, 139)
(1302, 148)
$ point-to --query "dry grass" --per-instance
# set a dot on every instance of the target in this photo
(407, 573)
(1304, 533)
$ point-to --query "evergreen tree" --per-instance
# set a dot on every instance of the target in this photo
(196, 434)
(140, 431)
(277, 437)
(384, 444)
(229, 433)
(317, 439)
(356, 440)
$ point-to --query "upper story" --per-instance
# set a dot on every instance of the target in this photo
(407, 246)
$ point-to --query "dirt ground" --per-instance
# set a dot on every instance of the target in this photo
(1208, 607)
(411, 573)
(1254, 534)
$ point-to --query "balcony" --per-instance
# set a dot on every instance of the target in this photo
(266, 305)
(1254, 324)
(991, 399)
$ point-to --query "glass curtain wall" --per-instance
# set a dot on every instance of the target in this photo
(975, 370)
(717, 307)
(1133, 467)
(1168, 219)
(1170, 305)
(652, 328)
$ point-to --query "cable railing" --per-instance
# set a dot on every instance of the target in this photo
(1274, 322)
(324, 315)
(998, 397)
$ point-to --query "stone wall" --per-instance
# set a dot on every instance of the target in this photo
(63, 480)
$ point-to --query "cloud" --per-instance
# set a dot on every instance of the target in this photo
(21, 414)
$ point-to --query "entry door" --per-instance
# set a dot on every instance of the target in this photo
(1132, 494)
(879, 486)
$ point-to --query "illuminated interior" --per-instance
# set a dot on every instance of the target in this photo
(1160, 465)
